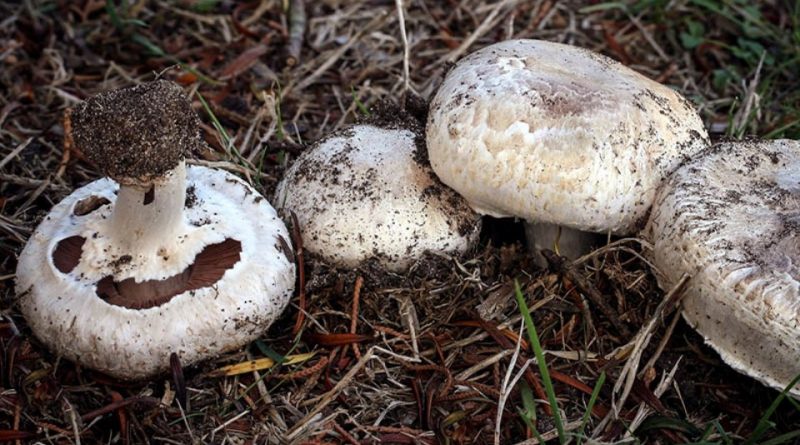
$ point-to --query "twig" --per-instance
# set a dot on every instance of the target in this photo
(17, 415)
(552, 434)
(117, 405)
(505, 389)
(228, 422)
(663, 343)
(330, 59)
(15, 152)
(329, 396)
(565, 268)
(488, 23)
(742, 117)
(472, 370)
(348, 438)
(636, 347)
(297, 29)
(404, 37)
(354, 313)
(30, 182)
(303, 373)
(409, 316)
(644, 410)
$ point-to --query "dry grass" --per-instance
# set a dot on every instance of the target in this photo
(414, 358)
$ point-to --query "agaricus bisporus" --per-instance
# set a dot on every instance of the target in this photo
(731, 221)
(559, 136)
(162, 259)
(367, 191)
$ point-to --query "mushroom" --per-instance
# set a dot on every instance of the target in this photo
(167, 259)
(368, 191)
(562, 137)
(730, 221)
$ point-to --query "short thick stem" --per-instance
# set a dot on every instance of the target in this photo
(567, 242)
(147, 217)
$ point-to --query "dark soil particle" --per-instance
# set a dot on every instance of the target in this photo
(411, 116)
(191, 197)
(136, 132)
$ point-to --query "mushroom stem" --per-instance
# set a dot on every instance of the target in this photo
(567, 242)
(147, 214)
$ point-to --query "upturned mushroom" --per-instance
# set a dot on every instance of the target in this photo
(730, 221)
(162, 259)
(367, 191)
(559, 136)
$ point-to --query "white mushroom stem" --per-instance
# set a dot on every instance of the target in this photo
(145, 215)
(567, 242)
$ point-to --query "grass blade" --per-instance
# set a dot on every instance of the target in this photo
(783, 438)
(539, 353)
(764, 423)
(595, 392)
(528, 410)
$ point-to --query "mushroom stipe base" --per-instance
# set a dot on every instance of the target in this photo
(212, 281)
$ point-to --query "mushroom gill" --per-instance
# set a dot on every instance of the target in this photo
(207, 268)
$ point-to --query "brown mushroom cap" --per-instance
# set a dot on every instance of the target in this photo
(139, 132)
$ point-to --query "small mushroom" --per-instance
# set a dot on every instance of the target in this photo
(559, 136)
(730, 221)
(167, 259)
(368, 191)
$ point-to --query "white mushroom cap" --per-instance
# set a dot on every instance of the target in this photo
(65, 306)
(558, 134)
(730, 220)
(368, 191)
(172, 260)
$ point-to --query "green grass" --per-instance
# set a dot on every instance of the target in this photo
(730, 37)
(765, 424)
(227, 141)
(720, 436)
(127, 27)
(592, 400)
(359, 104)
(528, 409)
(540, 361)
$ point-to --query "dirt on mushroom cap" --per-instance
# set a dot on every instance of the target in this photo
(375, 171)
(136, 132)
(729, 220)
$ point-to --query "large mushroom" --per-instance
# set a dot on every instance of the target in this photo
(367, 191)
(562, 137)
(730, 221)
(167, 259)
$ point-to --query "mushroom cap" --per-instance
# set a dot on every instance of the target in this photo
(730, 221)
(558, 134)
(64, 307)
(138, 132)
(367, 191)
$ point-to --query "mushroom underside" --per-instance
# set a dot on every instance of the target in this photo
(729, 220)
(218, 285)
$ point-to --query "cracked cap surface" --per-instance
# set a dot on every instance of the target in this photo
(558, 134)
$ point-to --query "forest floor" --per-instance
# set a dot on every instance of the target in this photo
(419, 357)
